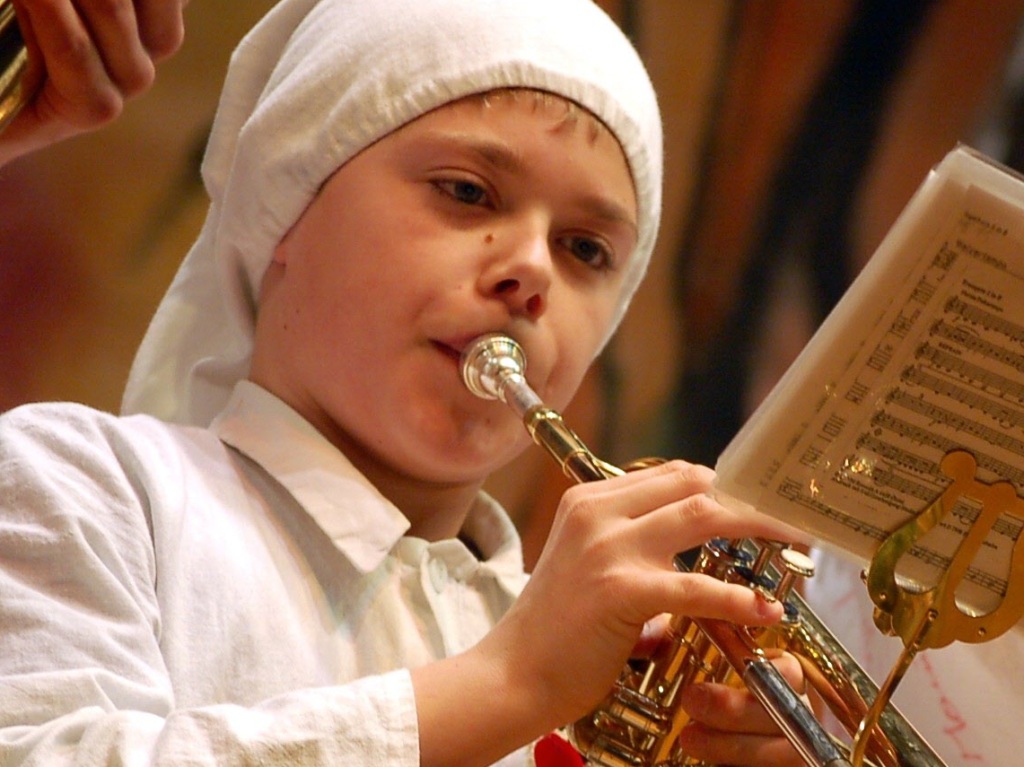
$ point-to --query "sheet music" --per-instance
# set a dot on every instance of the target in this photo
(924, 355)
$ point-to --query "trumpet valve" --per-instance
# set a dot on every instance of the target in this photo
(720, 558)
(794, 566)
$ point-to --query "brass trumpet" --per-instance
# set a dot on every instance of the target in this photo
(637, 724)
(13, 59)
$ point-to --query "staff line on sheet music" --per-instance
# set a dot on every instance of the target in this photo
(985, 319)
(972, 342)
(987, 380)
(943, 445)
(1001, 413)
(1007, 525)
(792, 491)
(902, 398)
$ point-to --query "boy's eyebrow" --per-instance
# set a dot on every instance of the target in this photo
(493, 151)
(505, 158)
(611, 212)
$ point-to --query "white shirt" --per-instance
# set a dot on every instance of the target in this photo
(223, 596)
(964, 699)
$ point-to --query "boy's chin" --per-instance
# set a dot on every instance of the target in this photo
(448, 470)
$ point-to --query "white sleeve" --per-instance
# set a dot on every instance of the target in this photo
(82, 678)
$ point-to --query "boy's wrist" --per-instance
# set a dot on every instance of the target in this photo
(481, 694)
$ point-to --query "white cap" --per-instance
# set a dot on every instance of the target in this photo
(317, 81)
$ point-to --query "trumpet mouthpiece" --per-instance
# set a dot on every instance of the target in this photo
(494, 367)
(488, 362)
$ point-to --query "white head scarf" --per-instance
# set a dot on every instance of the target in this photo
(315, 82)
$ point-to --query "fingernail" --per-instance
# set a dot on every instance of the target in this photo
(766, 605)
(766, 595)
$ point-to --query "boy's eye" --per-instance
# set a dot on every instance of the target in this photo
(464, 191)
(590, 252)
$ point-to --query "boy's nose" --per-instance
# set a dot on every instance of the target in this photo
(521, 275)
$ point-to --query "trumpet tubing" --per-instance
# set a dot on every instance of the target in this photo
(638, 723)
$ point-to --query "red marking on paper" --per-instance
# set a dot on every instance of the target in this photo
(956, 726)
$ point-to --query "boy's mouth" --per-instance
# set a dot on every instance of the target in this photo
(451, 350)
(454, 347)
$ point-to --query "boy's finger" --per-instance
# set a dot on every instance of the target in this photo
(636, 493)
(692, 521)
(726, 708)
(700, 596)
(717, 747)
(734, 708)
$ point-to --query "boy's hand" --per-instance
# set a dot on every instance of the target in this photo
(86, 58)
(729, 726)
(607, 570)
(605, 574)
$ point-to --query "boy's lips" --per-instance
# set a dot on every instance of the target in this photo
(454, 347)
(448, 350)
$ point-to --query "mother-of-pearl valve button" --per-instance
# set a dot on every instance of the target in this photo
(794, 564)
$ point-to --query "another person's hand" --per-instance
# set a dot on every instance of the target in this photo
(86, 59)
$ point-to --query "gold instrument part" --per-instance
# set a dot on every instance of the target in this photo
(637, 724)
(13, 60)
(930, 617)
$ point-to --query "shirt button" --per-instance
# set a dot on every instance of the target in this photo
(438, 574)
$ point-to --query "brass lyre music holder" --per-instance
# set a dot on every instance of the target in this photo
(931, 617)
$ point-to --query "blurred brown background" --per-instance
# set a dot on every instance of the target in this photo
(795, 132)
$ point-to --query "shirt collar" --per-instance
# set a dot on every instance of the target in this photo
(362, 523)
(495, 535)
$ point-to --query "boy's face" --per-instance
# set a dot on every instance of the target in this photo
(477, 217)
